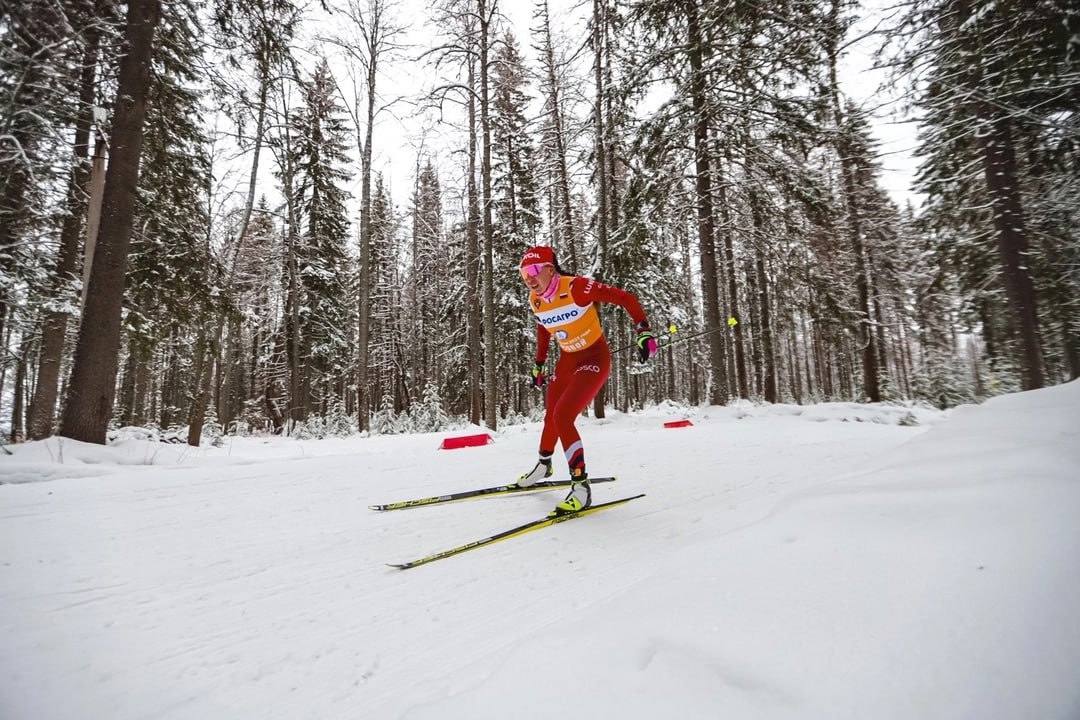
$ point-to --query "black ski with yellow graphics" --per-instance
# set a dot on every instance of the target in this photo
(514, 532)
(511, 489)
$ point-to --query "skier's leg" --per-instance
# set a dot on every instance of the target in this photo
(587, 377)
(549, 435)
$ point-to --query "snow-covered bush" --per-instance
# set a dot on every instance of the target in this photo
(943, 382)
(385, 421)
(428, 415)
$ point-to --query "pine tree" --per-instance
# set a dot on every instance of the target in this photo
(252, 362)
(43, 46)
(171, 271)
(319, 156)
(370, 38)
(555, 141)
(998, 82)
(674, 32)
(427, 255)
(468, 24)
(516, 211)
(61, 289)
(90, 392)
(388, 336)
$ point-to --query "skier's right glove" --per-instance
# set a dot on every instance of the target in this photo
(539, 378)
(646, 342)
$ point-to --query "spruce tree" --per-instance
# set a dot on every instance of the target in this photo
(998, 127)
(319, 154)
(91, 390)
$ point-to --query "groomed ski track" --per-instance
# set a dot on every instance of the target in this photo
(258, 587)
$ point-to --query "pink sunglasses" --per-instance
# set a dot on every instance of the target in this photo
(532, 270)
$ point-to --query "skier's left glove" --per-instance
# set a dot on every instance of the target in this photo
(647, 344)
(539, 379)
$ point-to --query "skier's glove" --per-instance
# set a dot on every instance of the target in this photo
(646, 342)
(539, 379)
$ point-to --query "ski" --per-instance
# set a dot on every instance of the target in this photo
(514, 532)
(511, 489)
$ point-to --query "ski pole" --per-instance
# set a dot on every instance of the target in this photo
(684, 338)
(671, 330)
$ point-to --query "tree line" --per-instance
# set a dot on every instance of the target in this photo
(194, 227)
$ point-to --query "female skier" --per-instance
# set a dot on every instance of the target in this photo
(565, 307)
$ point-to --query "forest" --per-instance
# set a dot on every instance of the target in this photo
(203, 230)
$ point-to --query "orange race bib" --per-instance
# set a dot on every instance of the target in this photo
(575, 327)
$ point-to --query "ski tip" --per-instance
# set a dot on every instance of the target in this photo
(618, 501)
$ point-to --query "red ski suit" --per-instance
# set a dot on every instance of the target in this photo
(584, 358)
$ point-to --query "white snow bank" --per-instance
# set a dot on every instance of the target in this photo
(943, 583)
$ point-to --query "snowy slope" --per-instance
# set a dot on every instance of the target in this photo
(816, 562)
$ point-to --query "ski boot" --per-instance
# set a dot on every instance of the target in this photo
(542, 471)
(579, 498)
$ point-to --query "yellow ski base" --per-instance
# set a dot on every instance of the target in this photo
(511, 489)
(513, 532)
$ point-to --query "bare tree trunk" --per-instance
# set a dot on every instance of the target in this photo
(796, 363)
(563, 232)
(691, 301)
(92, 389)
(1002, 183)
(205, 354)
(768, 351)
(823, 363)
(600, 134)
(363, 401)
(93, 211)
(880, 341)
(903, 352)
(375, 32)
(231, 371)
(490, 370)
(142, 383)
(809, 358)
(296, 379)
(54, 325)
(18, 433)
(472, 266)
(204, 381)
(260, 134)
(736, 358)
(603, 215)
(752, 339)
(704, 203)
(764, 348)
(866, 335)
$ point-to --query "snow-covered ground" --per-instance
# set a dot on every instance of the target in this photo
(787, 562)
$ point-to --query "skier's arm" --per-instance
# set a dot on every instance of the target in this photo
(586, 290)
(543, 342)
